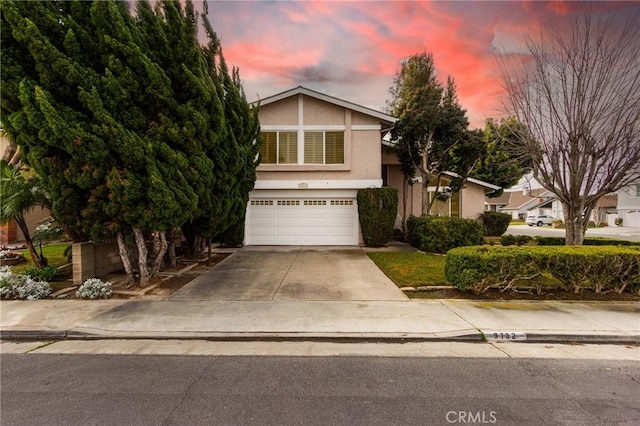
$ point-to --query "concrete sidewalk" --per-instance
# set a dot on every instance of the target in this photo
(417, 320)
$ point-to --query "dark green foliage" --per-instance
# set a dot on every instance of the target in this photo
(502, 162)
(440, 234)
(508, 240)
(576, 268)
(495, 224)
(522, 240)
(560, 241)
(48, 273)
(130, 121)
(377, 210)
(233, 236)
(431, 134)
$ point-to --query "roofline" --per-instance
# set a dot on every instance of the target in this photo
(476, 181)
(321, 96)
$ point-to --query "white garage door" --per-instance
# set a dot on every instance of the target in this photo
(302, 221)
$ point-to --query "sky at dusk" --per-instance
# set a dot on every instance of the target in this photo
(352, 49)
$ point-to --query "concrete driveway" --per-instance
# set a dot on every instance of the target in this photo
(293, 273)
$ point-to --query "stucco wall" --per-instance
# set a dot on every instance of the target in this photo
(471, 201)
(33, 218)
(317, 112)
(362, 158)
(281, 112)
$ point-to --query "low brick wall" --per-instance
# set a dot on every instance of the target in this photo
(95, 260)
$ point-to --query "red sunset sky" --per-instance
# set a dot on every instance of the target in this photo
(352, 49)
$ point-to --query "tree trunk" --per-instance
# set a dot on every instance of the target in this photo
(142, 257)
(125, 255)
(425, 193)
(32, 250)
(171, 247)
(574, 225)
(159, 250)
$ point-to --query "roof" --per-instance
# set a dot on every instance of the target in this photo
(476, 181)
(326, 98)
(501, 200)
(518, 200)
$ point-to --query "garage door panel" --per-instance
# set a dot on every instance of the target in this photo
(302, 222)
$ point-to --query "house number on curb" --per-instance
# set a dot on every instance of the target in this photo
(505, 335)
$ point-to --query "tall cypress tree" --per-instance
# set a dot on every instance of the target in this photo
(124, 118)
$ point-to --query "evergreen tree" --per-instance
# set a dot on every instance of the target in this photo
(125, 118)
(501, 163)
(431, 133)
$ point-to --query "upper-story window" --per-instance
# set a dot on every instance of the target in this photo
(315, 147)
(323, 147)
(279, 147)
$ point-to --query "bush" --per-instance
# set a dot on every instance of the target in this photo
(377, 211)
(560, 241)
(598, 268)
(440, 234)
(21, 286)
(618, 221)
(234, 236)
(48, 273)
(495, 224)
(508, 240)
(523, 240)
(94, 288)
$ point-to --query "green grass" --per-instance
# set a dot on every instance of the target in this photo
(53, 252)
(411, 268)
(517, 222)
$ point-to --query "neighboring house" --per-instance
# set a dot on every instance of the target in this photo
(497, 203)
(317, 152)
(629, 205)
(528, 203)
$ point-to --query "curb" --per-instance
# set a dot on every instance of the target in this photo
(315, 337)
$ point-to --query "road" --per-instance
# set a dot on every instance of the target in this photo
(626, 233)
(71, 389)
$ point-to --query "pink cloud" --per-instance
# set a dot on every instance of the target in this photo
(353, 49)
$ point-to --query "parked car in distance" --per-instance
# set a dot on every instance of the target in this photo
(539, 220)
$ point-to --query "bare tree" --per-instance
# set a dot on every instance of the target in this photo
(578, 93)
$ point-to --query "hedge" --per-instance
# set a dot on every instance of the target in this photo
(495, 223)
(377, 211)
(440, 234)
(560, 241)
(601, 269)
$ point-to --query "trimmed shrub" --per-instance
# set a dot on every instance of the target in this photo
(523, 240)
(618, 221)
(508, 240)
(495, 223)
(377, 211)
(601, 269)
(440, 234)
(560, 241)
(48, 273)
(94, 288)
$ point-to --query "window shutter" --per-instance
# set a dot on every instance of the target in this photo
(313, 148)
(288, 147)
(268, 147)
(334, 147)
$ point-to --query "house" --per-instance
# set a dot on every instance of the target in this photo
(496, 204)
(629, 205)
(317, 152)
(528, 202)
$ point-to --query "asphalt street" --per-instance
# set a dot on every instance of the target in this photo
(54, 389)
(626, 233)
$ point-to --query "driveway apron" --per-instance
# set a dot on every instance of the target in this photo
(293, 273)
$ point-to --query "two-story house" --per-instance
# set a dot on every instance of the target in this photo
(317, 151)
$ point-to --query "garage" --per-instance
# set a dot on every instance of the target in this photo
(302, 221)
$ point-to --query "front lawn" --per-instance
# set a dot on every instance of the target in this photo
(412, 269)
(53, 252)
